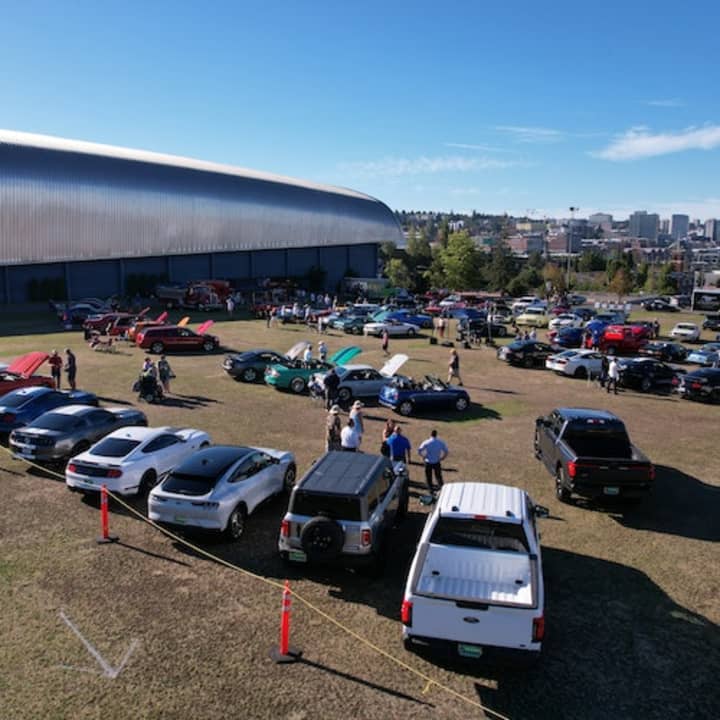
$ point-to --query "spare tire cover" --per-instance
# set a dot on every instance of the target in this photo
(322, 539)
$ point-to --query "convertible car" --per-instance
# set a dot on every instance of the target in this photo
(408, 397)
(296, 375)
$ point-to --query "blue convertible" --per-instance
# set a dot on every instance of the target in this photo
(407, 316)
(21, 407)
(408, 397)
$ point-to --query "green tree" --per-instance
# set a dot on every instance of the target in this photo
(418, 249)
(501, 269)
(591, 261)
(622, 283)
(435, 274)
(554, 275)
(536, 260)
(398, 273)
(666, 283)
(641, 275)
(460, 262)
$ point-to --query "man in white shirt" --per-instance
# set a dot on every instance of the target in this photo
(613, 375)
(307, 355)
(349, 439)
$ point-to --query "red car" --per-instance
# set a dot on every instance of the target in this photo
(172, 338)
(623, 339)
(19, 374)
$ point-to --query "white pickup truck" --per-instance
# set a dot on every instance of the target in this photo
(475, 586)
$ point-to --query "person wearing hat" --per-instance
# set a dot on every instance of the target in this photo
(56, 363)
(356, 414)
(349, 438)
(332, 429)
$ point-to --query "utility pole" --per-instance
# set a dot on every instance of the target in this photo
(573, 210)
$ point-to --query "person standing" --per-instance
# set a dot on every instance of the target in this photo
(322, 351)
(356, 414)
(332, 429)
(70, 367)
(385, 341)
(165, 373)
(433, 451)
(604, 366)
(441, 327)
(331, 382)
(656, 328)
(349, 438)
(230, 304)
(399, 446)
(307, 355)
(56, 363)
(613, 375)
(454, 367)
(388, 430)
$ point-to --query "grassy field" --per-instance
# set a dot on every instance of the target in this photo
(633, 594)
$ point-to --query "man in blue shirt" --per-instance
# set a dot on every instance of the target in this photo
(399, 446)
(433, 451)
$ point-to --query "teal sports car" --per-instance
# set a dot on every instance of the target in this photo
(296, 376)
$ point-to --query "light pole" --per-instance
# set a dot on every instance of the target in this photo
(573, 210)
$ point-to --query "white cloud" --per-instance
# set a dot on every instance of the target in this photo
(532, 134)
(396, 167)
(481, 148)
(639, 142)
(666, 103)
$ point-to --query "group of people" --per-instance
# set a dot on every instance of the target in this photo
(525, 335)
(70, 366)
(162, 372)
(347, 438)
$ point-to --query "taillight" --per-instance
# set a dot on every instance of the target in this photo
(114, 473)
(406, 613)
(140, 337)
(696, 385)
(7, 418)
(285, 528)
(538, 632)
(651, 472)
(366, 537)
(572, 469)
(72, 467)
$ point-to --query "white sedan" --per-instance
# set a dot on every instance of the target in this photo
(576, 363)
(566, 320)
(217, 488)
(395, 328)
(129, 461)
(689, 332)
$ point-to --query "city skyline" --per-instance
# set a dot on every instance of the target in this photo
(521, 109)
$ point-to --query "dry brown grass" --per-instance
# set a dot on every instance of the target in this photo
(632, 592)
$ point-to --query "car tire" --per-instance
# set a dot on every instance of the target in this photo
(297, 385)
(715, 395)
(411, 333)
(249, 375)
(580, 373)
(426, 325)
(344, 395)
(208, 346)
(149, 397)
(356, 331)
(536, 447)
(561, 491)
(289, 478)
(462, 404)
(322, 539)
(236, 523)
(147, 482)
(528, 361)
(405, 408)
(645, 384)
(157, 348)
(502, 331)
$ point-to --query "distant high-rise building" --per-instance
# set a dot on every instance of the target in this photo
(643, 225)
(679, 226)
(603, 221)
(712, 230)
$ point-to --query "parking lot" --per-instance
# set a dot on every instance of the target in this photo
(632, 591)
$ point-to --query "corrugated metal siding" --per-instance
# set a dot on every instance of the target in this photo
(65, 206)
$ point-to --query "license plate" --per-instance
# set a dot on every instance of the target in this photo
(297, 556)
(180, 519)
(26, 452)
(611, 490)
(469, 651)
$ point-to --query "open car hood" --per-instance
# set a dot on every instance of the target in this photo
(294, 352)
(345, 355)
(184, 321)
(391, 367)
(26, 365)
(162, 317)
(204, 327)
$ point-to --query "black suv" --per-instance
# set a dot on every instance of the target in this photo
(342, 510)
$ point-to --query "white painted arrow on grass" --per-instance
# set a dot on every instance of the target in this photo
(107, 669)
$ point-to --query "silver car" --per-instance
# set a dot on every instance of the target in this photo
(217, 488)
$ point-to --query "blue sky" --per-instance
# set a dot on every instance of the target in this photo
(495, 107)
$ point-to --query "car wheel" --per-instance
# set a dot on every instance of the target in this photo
(357, 331)
(426, 325)
(645, 384)
(411, 333)
(502, 331)
(208, 346)
(536, 447)
(405, 408)
(561, 491)
(147, 482)
(461, 404)
(344, 395)
(322, 539)
(580, 373)
(149, 397)
(297, 385)
(236, 523)
(528, 361)
(157, 348)
(249, 375)
(81, 447)
(289, 478)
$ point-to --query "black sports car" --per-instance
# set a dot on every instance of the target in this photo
(701, 384)
(474, 329)
(528, 353)
(660, 306)
(646, 374)
(665, 351)
(249, 366)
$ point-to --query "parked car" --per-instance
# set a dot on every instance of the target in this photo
(528, 353)
(688, 332)
(250, 365)
(361, 381)
(475, 329)
(64, 432)
(711, 322)
(173, 338)
(659, 305)
(103, 321)
(217, 488)
(566, 320)
(567, 337)
(646, 374)
(585, 313)
(623, 339)
(131, 460)
(575, 299)
(296, 375)
(533, 316)
(20, 407)
(342, 510)
(407, 397)
(576, 363)
(611, 317)
(475, 586)
(700, 384)
(354, 325)
(21, 373)
(418, 319)
(589, 454)
(665, 351)
(707, 354)
(395, 328)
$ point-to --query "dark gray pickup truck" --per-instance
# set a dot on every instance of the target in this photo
(589, 454)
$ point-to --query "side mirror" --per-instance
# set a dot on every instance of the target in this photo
(541, 511)
(542, 421)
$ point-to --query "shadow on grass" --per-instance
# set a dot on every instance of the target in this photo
(629, 650)
(476, 411)
(114, 401)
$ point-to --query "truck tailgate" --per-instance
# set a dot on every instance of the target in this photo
(610, 473)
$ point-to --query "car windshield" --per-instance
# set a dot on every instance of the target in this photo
(114, 447)
(15, 399)
(487, 534)
(338, 507)
(598, 441)
(185, 484)
(57, 421)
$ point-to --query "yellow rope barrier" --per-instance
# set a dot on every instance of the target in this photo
(429, 682)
